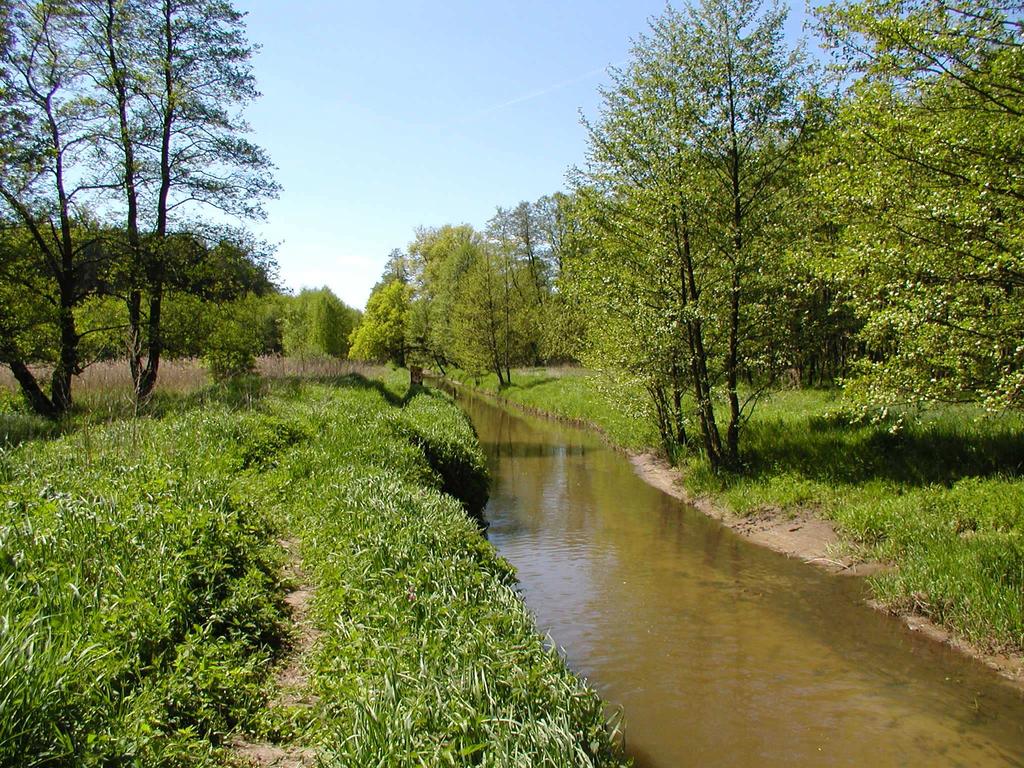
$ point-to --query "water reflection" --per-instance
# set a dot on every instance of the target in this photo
(721, 653)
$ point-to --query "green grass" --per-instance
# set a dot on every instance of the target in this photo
(139, 595)
(429, 657)
(938, 494)
(578, 395)
(142, 603)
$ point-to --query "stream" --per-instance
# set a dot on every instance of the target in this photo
(719, 652)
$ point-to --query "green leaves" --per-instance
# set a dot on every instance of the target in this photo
(687, 204)
(922, 169)
(317, 323)
(381, 333)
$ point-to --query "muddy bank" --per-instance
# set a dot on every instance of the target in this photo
(798, 534)
(801, 534)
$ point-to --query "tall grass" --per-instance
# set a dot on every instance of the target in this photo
(138, 595)
(428, 655)
(142, 606)
(104, 393)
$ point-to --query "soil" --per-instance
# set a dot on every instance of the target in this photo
(292, 679)
(798, 533)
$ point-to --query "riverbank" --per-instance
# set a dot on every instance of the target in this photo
(291, 579)
(931, 513)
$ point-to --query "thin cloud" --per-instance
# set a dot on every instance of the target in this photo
(520, 99)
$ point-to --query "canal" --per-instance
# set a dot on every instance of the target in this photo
(719, 652)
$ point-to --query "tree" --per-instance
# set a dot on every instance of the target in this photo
(173, 76)
(438, 260)
(317, 324)
(518, 237)
(51, 249)
(487, 316)
(381, 334)
(924, 171)
(688, 186)
(130, 103)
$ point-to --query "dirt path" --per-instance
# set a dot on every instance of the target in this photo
(292, 679)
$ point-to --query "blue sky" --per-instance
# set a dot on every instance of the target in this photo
(382, 117)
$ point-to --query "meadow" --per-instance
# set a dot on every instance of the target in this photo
(144, 587)
(937, 494)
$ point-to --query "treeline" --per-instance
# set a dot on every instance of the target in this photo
(120, 123)
(484, 301)
(745, 217)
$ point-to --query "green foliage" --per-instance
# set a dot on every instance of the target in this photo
(617, 408)
(479, 299)
(920, 174)
(316, 323)
(139, 596)
(440, 257)
(685, 209)
(235, 339)
(428, 655)
(448, 441)
(380, 335)
(485, 336)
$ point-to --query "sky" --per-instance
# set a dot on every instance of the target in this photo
(384, 117)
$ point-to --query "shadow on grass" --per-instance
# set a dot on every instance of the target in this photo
(915, 455)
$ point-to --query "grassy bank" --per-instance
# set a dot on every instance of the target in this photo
(144, 610)
(618, 410)
(139, 597)
(939, 495)
(103, 393)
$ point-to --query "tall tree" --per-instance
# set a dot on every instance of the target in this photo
(174, 75)
(49, 128)
(317, 324)
(692, 165)
(438, 260)
(381, 334)
(925, 172)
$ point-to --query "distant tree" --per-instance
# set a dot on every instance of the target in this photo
(235, 337)
(317, 323)
(381, 334)
(397, 267)
(485, 336)
(438, 259)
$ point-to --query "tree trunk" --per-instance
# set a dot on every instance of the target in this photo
(733, 433)
(695, 341)
(37, 399)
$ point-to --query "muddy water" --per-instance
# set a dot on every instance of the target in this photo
(717, 651)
